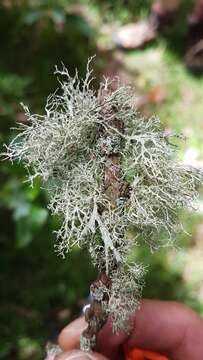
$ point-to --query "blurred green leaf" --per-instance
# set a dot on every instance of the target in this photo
(38, 216)
(24, 233)
(13, 85)
(32, 16)
(33, 192)
(58, 16)
(22, 210)
(78, 23)
(28, 348)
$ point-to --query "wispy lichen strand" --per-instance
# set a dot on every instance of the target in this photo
(70, 147)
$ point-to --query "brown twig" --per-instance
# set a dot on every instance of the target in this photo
(114, 188)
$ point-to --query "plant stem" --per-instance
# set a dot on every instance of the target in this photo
(114, 188)
(95, 314)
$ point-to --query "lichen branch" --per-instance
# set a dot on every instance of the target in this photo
(106, 167)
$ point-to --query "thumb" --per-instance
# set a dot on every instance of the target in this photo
(80, 355)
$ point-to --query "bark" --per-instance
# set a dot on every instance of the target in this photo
(114, 188)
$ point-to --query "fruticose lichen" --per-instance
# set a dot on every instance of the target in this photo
(71, 148)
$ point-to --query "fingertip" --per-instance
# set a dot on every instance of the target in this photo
(161, 325)
(80, 355)
(109, 343)
(69, 338)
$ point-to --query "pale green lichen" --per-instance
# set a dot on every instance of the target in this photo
(68, 148)
(127, 283)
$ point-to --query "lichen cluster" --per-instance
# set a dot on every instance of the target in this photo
(69, 148)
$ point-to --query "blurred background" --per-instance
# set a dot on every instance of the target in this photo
(41, 292)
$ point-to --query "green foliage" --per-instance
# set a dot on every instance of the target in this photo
(27, 212)
(35, 36)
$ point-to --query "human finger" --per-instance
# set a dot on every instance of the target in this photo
(80, 355)
(158, 326)
(69, 338)
(169, 328)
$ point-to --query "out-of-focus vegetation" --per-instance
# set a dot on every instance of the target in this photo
(39, 291)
